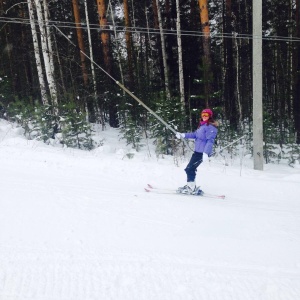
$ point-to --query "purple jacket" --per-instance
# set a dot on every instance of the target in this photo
(204, 138)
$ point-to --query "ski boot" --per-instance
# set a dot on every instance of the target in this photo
(197, 191)
(188, 189)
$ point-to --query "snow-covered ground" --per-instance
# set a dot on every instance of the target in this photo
(78, 225)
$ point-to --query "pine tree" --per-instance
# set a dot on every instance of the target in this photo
(75, 131)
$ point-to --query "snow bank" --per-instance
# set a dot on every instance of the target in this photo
(78, 225)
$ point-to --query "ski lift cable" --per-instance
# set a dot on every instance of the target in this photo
(125, 89)
(235, 141)
(236, 35)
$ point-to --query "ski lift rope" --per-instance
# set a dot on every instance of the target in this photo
(126, 90)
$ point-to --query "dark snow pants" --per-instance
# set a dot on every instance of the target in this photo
(192, 166)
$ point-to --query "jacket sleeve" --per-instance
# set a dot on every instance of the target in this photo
(211, 134)
(190, 135)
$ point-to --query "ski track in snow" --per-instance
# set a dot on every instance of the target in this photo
(39, 276)
(67, 234)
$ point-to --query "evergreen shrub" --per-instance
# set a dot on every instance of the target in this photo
(42, 122)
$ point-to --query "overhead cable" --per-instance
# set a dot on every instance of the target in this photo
(137, 29)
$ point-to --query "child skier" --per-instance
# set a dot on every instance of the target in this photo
(204, 140)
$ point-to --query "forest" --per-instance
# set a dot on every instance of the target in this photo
(64, 63)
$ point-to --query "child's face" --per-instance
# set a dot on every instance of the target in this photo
(205, 116)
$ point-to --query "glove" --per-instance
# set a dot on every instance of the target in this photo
(180, 135)
(204, 157)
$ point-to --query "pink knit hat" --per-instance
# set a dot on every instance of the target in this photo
(208, 111)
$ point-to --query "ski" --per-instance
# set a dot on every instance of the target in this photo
(151, 189)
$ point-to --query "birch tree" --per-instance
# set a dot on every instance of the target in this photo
(117, 43)
(37, 53)
(48, 36)
(163, 48)
(180, 64)
(45, 40)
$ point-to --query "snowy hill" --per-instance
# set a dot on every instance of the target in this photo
(78, 225)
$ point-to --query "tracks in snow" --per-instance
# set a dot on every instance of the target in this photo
(62, 276)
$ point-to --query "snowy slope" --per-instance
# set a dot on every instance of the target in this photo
(77, 225)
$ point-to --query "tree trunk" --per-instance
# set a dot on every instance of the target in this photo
(94, 108)
(48, 37)
(90, 48)
(60, 66)
(230, 77)
(204, 19)
(180, 64)
(148, 63)
(164, 55)
(237, 64)
(158, 63)
(46, 52)
(118, 47)
(25, 56)
(80, 41)
(128, 43)
(297, 76)
(105, 39)
(37, 53)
